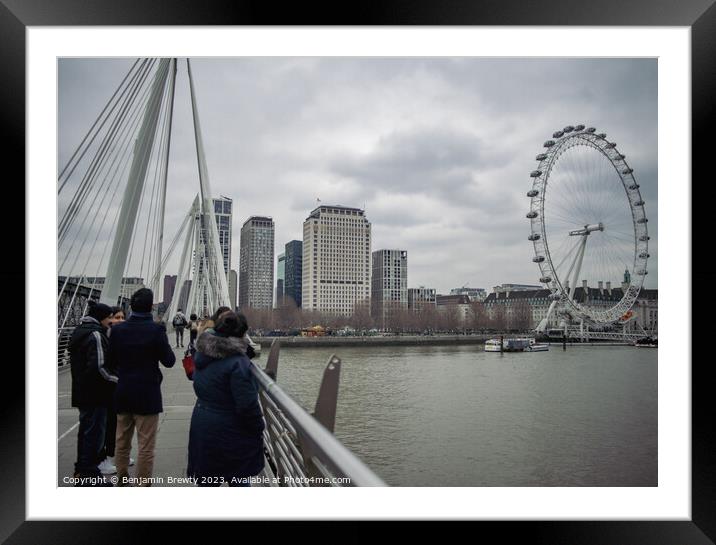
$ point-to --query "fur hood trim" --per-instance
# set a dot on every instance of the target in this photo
(218, 347)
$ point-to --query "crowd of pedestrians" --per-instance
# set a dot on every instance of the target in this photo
(116, 385)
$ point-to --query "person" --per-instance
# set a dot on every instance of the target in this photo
(226, 430)
(179, 323)
(193, 333)
(209, 323)
(107, 466)
(136, 347)
(92, 387)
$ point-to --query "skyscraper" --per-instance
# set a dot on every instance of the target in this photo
(233, 287)
(389, 282)
(256, 263)
(223, 215)
(294, 266)
(336, 259)
(280, 279)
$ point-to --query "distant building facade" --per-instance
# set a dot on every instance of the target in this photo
(389, 282)
(336, 267)
(129, 285)
(256, 263)
(170, 282)
(294, 269)
(280, 279)
(419, 298)
(460, 303)
(233, 287)
(504, 288)
(475, 294)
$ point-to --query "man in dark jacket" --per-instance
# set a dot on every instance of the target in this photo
(92, 389)
(136, 347)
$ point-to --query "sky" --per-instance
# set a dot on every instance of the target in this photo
(438, 151)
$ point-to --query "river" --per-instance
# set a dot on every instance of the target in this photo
(457, 416)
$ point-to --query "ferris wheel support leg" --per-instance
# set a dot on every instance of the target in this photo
(544, 324)
(578, 260)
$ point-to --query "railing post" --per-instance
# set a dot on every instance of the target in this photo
(325, 411)
(272, 361)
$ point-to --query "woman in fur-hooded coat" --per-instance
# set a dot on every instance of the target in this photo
(226, 434)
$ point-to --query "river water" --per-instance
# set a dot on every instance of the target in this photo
(458, 416)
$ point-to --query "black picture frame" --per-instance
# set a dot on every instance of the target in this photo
(700, 15)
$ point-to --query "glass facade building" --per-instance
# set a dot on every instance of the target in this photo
(256, 257)
(294, 269)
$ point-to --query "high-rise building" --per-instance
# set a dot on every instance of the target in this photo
(419, 298)
(294, 266)
(389, 282)
(223, 215)
(336, 259)
(170, 282)
(280, 278)
(256, 263)
(233, 287)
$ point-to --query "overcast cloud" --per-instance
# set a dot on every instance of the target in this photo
(437, 150)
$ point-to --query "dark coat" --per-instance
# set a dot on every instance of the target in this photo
(226, 434)
(136, 347)
(92, 382)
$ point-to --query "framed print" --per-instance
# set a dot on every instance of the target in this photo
(411, 146)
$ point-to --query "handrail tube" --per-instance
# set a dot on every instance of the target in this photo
(342, 460)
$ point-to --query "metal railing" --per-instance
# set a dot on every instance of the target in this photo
(63, 346)
(300, 448)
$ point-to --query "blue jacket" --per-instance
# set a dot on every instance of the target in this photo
(226, 434)
(136, 347)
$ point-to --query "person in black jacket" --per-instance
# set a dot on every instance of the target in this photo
(226, 432)
(92, 388)
(136, 347)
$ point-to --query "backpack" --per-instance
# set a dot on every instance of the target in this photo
(178, 321)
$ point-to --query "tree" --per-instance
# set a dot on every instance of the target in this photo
(521, 317)
(361, 319)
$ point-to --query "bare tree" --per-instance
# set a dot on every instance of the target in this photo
(521, 315)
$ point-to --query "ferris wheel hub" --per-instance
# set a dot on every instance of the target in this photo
(588, 229)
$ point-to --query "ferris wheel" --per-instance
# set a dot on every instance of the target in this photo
(588, 227)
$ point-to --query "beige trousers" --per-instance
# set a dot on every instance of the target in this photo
(146, 425)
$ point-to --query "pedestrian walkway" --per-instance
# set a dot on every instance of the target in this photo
(172, 437)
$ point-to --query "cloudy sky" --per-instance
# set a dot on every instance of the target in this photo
(437, 150)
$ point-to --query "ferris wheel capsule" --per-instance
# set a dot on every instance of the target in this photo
(557, 134)
(541, 157)
(590, 129)
(567, 129)
(579, 128)
(532, 193)
(535, 174)
(549, 143)
(533, 214)
(627, 171)
(533, 237)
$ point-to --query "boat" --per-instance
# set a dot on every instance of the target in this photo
(515, 345)
(646, 342)
(537, 347)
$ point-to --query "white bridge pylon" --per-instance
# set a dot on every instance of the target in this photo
(134, 130)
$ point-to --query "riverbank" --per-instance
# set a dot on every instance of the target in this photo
(401, 340)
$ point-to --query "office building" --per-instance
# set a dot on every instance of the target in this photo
(336, 259)
(256, 257)
(294, 266)
(419, 298)
(389, 282)
(280, 279)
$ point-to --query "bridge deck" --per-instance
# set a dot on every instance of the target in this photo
(172, 437)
